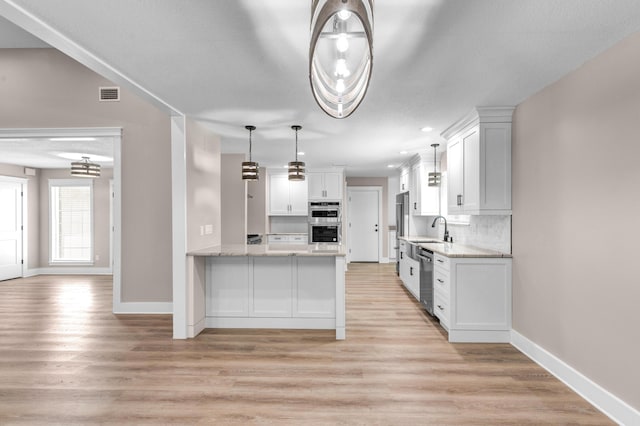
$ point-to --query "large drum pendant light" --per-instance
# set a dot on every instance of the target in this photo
(296, 168)
(250, 169)
(340, 54)
(85, 168)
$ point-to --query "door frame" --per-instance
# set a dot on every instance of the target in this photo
(24, 271)
(116, 134)
(378, 190)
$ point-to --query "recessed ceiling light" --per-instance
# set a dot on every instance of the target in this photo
(391, 166)
(72, 139)
(427, 129)
(300, 153)
(404, 152)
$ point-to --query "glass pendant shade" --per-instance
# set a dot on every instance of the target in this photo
(296, 168)
(250, 169)
(85, 168)
(340, 54)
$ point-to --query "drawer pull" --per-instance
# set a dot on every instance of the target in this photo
(440, 307)
(440, 281)
(411, 270)
(440, 260)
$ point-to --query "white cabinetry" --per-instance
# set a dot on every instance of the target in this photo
(287, 198)
(404, 180)
(287, 239)
(472, 298)
(425, 198)
(409, 271)
(479, 162)
(325, 185)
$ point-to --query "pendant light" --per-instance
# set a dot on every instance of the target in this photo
(340, 54)
(250, 169)
(296, 168)
(85, 168)
(434, 177)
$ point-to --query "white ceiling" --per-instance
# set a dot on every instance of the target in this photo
(232, 63)
(43, 153)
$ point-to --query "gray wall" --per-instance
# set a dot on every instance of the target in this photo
(234, 200)
(203, 186)
(44, 88)
(576, 198)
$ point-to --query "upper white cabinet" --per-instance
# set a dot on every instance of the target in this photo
(404, 180)
(425, 199)
(287, 198)
(479, 162)
(325, 185)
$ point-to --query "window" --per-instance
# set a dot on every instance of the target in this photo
(71, 225)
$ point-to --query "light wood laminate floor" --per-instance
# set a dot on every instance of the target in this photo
(65, 359)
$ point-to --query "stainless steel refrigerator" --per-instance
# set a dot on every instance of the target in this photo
(402, 223)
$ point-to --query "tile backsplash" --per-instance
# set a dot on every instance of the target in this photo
(490, 232)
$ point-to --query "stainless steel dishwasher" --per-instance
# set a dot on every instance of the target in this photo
(426, 278)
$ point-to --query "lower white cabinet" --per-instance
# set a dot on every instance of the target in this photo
(409, 271)
(287, 239)
(472, 298)
(279, 287)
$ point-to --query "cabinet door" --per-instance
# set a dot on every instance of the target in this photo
(227, 293)
(279, 194)
(298, 198)
(414, 278)
(315, 185)
(404, 181)
(415, 189)
(333, 186)
(315, 291)
(272, 287)
(471, 173)
(455, 176)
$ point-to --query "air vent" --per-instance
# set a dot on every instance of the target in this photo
(109, 94)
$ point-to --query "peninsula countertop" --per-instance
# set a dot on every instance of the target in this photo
(453, 249)
(271, 250)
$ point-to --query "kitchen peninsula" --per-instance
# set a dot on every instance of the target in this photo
(291, 286)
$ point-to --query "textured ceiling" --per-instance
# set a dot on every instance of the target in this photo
(231, 63)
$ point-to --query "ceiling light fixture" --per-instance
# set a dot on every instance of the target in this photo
(434, 177)
(250, 169)
(296, 168)
(340, 54)
(427, 129)
(85, 168)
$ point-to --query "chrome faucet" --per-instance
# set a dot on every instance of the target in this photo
(446, 231)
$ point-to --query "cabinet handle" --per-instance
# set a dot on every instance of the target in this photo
(415, 206)
(440, 281)
(411, 270)
(440, 307)
(440, 260)
(401, 253)
(459, 199)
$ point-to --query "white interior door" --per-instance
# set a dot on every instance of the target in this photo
(364, 225)
(10, 230)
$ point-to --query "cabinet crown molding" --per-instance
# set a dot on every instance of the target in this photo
(478, 115)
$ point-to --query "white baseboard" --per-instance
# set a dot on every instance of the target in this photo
(261, 322)
(30, 273)
(384, 260)
(618, 410)
(72, 270)
(143, 308)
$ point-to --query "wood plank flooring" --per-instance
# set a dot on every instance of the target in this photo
(65, 359)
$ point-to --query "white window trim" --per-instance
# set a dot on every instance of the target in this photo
(71, 182)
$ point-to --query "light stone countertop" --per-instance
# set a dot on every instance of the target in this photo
(288, 233)
(453, 249)
(271, 250)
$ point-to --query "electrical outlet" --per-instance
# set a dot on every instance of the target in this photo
(201, 230)
(208, 229)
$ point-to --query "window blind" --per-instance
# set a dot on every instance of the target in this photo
(71, 222)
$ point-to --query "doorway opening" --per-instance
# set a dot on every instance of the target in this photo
(39, 154)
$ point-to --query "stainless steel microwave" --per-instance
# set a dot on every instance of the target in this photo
(324, 212)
